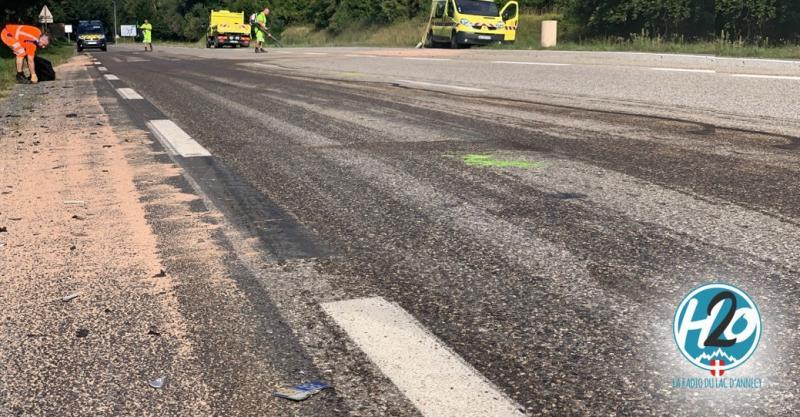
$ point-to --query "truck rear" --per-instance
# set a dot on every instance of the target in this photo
(227, 28)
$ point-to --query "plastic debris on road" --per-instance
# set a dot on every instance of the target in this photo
(70, 297)
(158, 383)
(301, 392)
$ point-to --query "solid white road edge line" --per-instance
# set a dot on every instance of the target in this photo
(129, 94)
(701, 71)
(551, 64)
(175, 139)
(111, 77)
(435, 379)
(412, 58)
(455, 87)
(773, 77)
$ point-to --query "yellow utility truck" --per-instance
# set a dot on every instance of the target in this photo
(227, 28)
(463, 23)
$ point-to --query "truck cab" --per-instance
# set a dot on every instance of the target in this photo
(91, 34)
(463, 23)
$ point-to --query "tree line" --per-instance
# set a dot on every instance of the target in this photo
(776, 21)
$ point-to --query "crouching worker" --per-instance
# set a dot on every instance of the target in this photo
(23, 41)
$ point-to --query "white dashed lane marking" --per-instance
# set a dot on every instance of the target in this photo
(454, 87)
(129, 94)
(544, 64)
(102, 69)
(111, 77)
(701, 71)
(435, 379)
(175, 139)
(772, 77)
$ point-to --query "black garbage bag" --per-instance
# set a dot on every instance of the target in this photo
(44, 69)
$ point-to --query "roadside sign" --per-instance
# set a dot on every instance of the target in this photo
(45, 16)
(128, 30)
(67, 28)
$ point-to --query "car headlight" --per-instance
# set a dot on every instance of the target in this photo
(501, 25)
(465, 22)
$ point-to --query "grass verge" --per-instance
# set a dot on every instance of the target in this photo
(404, 33)
(57, 52)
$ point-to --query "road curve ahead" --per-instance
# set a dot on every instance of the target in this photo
(487, 233)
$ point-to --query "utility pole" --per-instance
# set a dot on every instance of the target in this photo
(115, 20)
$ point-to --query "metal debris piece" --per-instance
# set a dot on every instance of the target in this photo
(72, 115)
(301, 392)
(77, 217)
(70, 297)
(158, 383)
(3, 229)
(82, 333)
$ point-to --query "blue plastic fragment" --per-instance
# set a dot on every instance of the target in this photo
(302, 391)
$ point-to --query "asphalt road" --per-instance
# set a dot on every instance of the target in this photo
(557, 282)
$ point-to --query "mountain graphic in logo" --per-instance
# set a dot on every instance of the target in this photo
(718, 354)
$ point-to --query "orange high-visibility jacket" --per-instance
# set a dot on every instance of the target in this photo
(21, 39)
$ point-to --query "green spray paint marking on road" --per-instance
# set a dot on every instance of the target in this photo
(487, 161)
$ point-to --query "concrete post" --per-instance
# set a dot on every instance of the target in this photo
(549, 33)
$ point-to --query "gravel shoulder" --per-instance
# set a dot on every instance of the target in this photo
(75, 228)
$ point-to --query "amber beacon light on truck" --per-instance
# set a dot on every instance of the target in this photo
(464, 23)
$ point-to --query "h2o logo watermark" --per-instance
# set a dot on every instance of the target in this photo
(717, 327)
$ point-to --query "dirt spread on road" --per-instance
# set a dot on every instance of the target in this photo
(76, 230)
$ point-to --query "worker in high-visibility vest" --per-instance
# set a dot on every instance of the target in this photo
(23, 41)
(261, 29)
(147, 35)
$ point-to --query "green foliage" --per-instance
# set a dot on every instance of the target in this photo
(740, 20)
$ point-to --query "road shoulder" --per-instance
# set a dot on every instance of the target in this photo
(118, 275)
